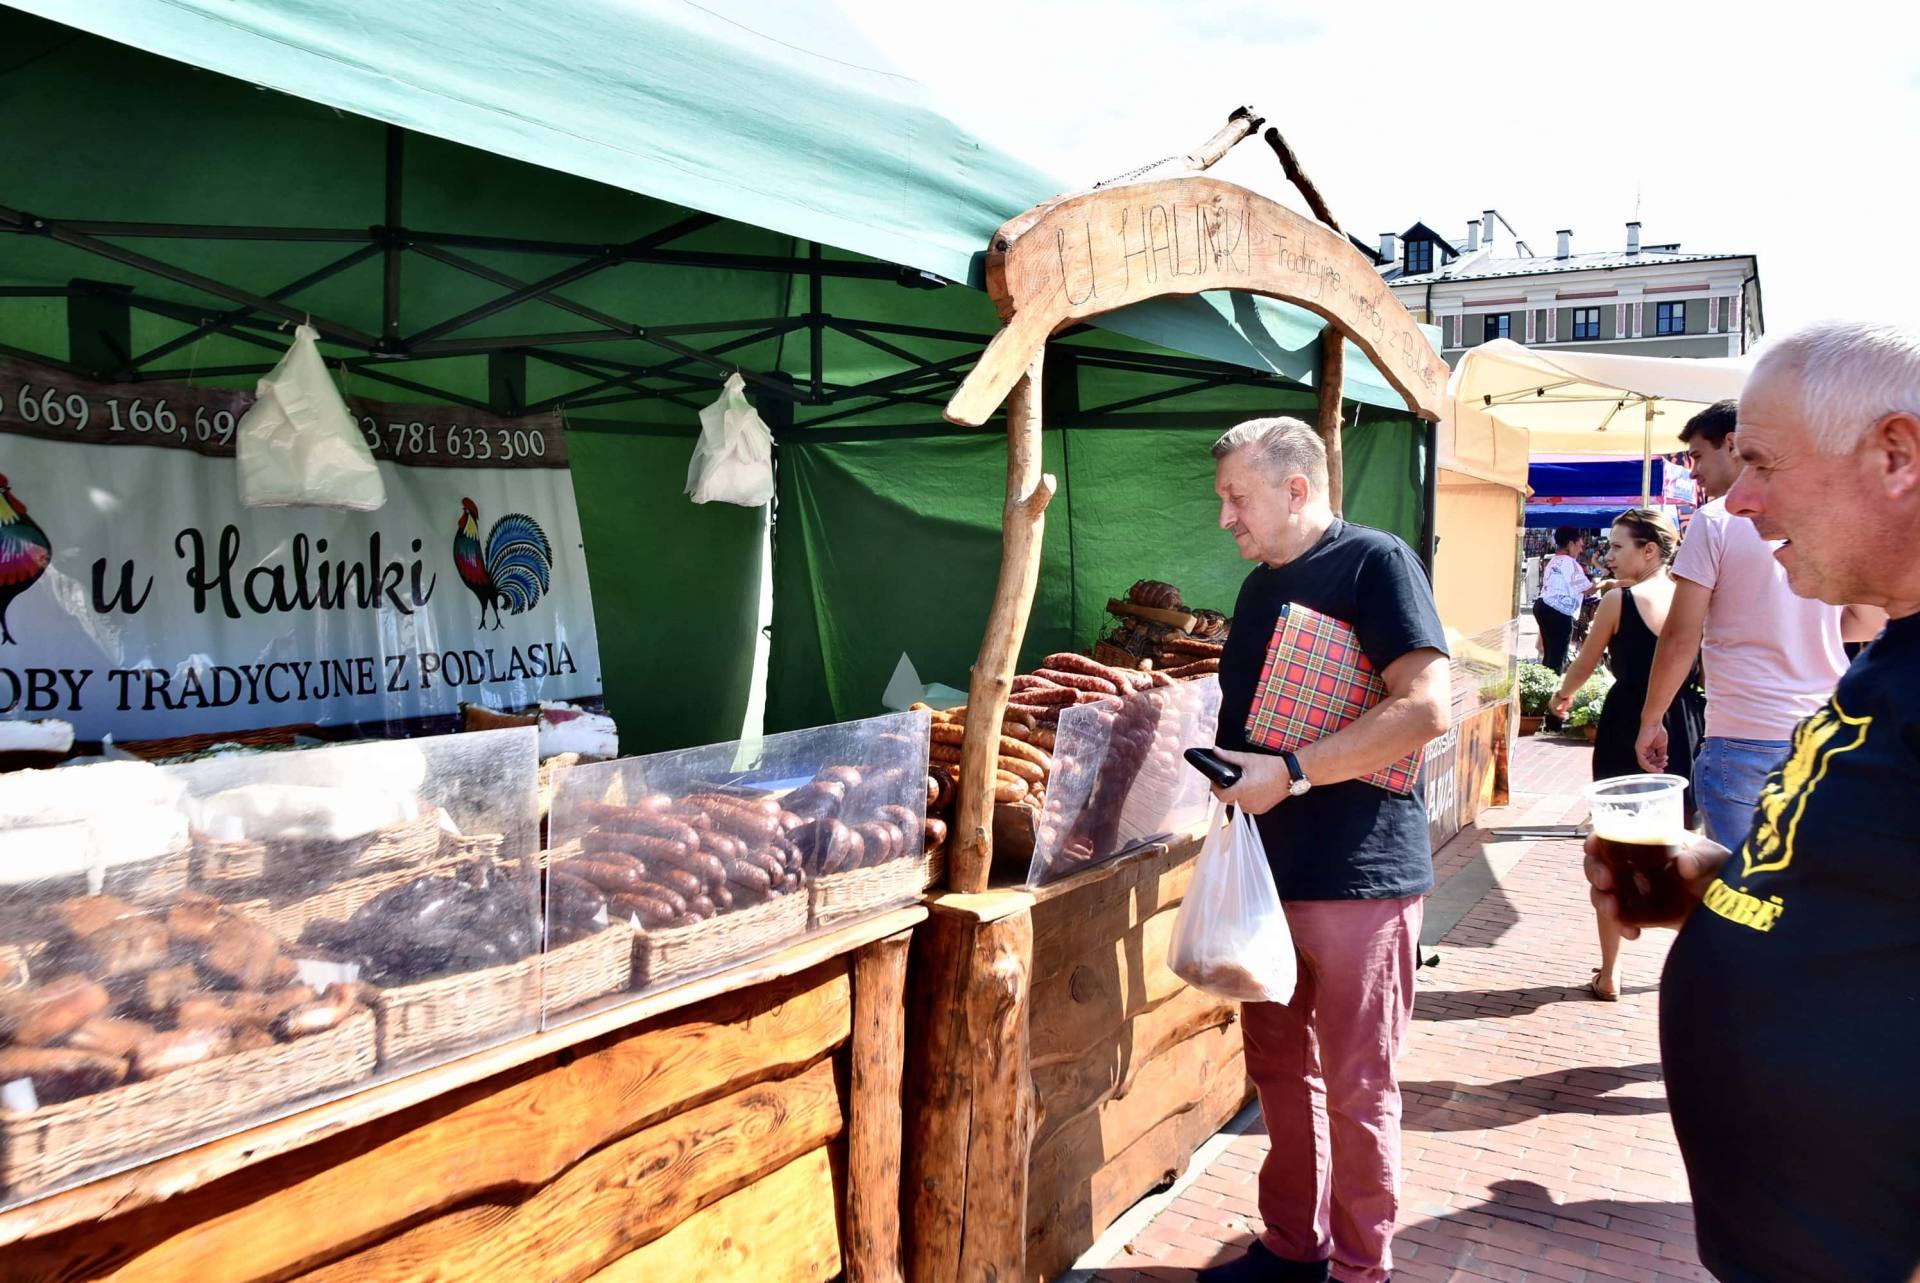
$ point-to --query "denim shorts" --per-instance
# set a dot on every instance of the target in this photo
(1727, 777)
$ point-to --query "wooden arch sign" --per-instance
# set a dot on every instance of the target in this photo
(1081, 256)
(1084, 255)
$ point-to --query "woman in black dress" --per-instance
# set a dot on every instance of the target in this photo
(1627, 627)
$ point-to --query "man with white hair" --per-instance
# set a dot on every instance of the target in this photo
(1350, 860)
(1790, 1006)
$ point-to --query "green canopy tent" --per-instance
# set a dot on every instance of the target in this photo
(468, 227)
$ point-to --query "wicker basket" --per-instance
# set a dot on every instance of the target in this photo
(660, 957)
(587, 969)
(842, 897)
(1113, 656)
(435, 1017)
(234, 866)
(287, 918)
(55, 1143)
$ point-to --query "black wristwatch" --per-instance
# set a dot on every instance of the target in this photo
(1300, 781)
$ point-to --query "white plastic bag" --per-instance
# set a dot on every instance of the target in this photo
(733, 462)
(299, 444)
(1231, 937)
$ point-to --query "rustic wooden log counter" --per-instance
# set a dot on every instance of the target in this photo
(1057, 1070)
(745, 1125)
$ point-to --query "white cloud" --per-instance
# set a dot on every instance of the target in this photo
(1792, 134)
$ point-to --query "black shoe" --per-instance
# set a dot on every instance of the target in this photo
(1260, 1265)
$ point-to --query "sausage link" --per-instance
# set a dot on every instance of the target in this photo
(1082, 681)
(1025, 770)
(949, 733)
(608, 877)
(748, 874)
(1008, 789)
(1068, 662)
(664, 894)
(1026, 751)
(639, 844)
(651, 912)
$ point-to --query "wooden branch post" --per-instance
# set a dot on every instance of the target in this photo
(878, 1059)
(1023, 522)
(970, 1113)
(1333, 371)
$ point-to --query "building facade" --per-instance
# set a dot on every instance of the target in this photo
(1647, 300)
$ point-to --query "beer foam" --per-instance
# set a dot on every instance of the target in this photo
(1645, 826)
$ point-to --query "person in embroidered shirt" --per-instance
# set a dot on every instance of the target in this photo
(1562, 588)
(1350, 860)
(1788, 1030)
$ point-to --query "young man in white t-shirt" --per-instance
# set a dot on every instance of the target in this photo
(1771, 657)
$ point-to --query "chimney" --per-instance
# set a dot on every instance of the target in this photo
(1633, 237)
(1473, 235)
(1566, 243)
(1389, 247)
(1486, 226)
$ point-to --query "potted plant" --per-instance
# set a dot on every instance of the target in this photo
(1537, 684)
(1588, 702)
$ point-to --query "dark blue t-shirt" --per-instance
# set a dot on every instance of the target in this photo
(1352, 840)
(1790, 1005)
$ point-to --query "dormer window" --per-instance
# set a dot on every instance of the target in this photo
(1419, 257)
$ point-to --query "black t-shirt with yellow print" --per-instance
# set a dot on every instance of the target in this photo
(1790, 1006)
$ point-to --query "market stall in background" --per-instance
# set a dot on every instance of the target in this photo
(493, 968)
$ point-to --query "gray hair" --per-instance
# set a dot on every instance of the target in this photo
(1851, 375)
(1281, 446)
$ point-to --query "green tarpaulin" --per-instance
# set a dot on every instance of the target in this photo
(888, 527)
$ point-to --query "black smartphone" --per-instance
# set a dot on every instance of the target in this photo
(1215, 768)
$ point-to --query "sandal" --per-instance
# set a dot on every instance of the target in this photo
(1603, 995)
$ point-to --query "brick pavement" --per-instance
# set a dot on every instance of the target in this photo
(1536, 1139)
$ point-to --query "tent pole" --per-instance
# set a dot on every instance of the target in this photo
(1646, 460)
(1331, 385)
(1022, 523)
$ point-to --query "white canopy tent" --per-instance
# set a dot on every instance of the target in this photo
(1508, 402)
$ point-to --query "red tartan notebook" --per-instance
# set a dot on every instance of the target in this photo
(1315, 680)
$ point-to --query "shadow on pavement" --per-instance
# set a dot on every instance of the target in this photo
(1493, 1004)
(1442, 1105)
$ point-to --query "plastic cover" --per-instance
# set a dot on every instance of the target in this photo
(190, 949)
(703, 857)
(1118, 777)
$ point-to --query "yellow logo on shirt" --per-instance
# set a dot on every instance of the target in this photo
(1783, 802)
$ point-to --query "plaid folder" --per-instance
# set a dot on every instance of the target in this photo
(1315, 680)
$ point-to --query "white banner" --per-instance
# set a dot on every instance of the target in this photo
(138, 598)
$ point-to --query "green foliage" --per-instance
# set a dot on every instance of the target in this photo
(1537, 684)
(1589, 700)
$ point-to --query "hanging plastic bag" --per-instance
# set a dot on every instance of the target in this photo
(299, 444)
(733, 462)
(1231, 937)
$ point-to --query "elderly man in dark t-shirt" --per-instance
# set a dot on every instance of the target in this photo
(1790, 1004)
(1350, 860)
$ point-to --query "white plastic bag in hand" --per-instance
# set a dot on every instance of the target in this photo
(299, 444)
(1231, 937)
(734, 461)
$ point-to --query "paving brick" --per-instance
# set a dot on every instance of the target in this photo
(1537, 1145)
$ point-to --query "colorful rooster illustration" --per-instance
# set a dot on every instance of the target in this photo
(512, 569)
(25, 553)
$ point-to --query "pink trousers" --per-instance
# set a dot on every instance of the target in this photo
(1324, 1065)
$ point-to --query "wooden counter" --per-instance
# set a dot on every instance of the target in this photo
(742, 1126)
(1056, 1069)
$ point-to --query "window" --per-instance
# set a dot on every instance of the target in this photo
(1671, 319)
(1499, 326)
(1419, 257)
(1586, 323)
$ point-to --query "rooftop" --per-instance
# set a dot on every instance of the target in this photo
(1482, 266)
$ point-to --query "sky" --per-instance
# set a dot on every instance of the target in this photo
(1787, 131)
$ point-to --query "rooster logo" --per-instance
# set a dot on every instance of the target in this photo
(25, 553)
(512, 569)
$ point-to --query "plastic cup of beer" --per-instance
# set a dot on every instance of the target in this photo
(1639, 825)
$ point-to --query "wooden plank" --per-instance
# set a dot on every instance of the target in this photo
(1117, 979)
(1087, 254)
(514, 1131)
(969, 1103)
(617, 1198)
(780, 1229)
(1067, 1213)
(1022, 525)
(169, 1178)
(1073, 1084)
(1109, 903)
(877, 1065)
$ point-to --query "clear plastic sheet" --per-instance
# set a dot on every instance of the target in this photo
(1482, 668)
(700, 858)
(190, 949)
(1118, 777)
